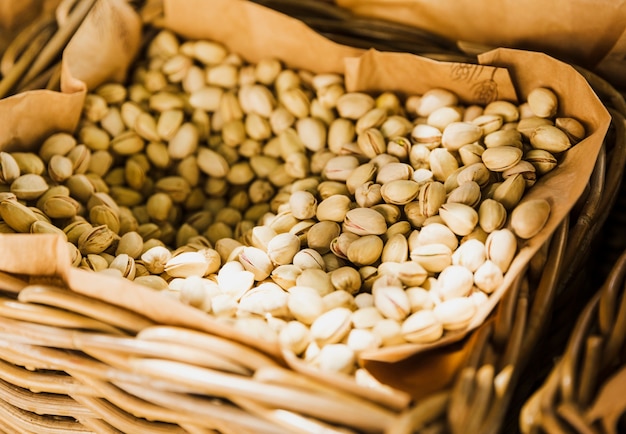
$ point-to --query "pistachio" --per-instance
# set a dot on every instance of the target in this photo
(455, 314)
(459, 134)
(422, 327)
(549, 138)
(528, 218)
(392, 302)
(433, 99)
(433, 257)
(403, 191)
(501, 158)
(501, 247)
(333, 208)
(574, 130)
(331, 326)
(460, 218)
(353, 105)
(336, 358)
(507, 110)
(437, 233)
(491, 215)
(542, 160)
(455, 281)
(9, 168)
(365, 221)
(29, 186)
(365, 251)
(543, 102)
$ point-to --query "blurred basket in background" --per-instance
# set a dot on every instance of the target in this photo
(62, 389)
(584, 390)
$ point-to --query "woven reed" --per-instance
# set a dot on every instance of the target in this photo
(62, 379)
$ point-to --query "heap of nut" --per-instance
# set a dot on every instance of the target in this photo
(345, 221)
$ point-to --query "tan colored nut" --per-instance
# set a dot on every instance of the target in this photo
(346, 279)
(503, 137)
(467, 193)
(308, 258)
(56, 144)
(491, 215)
(366, 317)
(433, 257)
(471, 153)
(29, 186)
(353, 105)
(542, 160)
(422, 327)
(104, 215)
(524, 168)
(488, 123)
(333, 208)
(340, 167)
(335, 358)
(419, 298)
(28, 162)
(543, 102)
(459, 134)
(455, 281)
(437, 233)
(340, 132)
(365, 221)
(460, 218)
(396, 249)
(256, 98)
(501, 158)
(431, 196)
(435, 98)
(455, 314)
(506, 109)
(529, 217)
(574, 130)
(295, 336)
(396, 126)
(510, 192)
(96, 240)
(9, 168)
(305, 304)
(403, 191)
(332, 326)
(360, 175)
(526, 126)
(371, 142)
(365, 251)
(392, 302)
(282, 248)
(550, 138)
(316, 278)
(488, 277)
(501, 247)
(442, 163)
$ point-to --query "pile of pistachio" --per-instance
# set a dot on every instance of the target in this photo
(346, 221)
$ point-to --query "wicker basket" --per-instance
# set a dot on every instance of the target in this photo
(130, 374)
(582, 393)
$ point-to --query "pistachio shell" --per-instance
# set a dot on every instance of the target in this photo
(460, 218)
(549, 138)
(529, 217)
(501, 247)
(433, 257)
(501, 158)
(422, 327)
(458, 134)
(455, 314)
(392, 302)
(543, 102)
(365, 221)
(332, 326)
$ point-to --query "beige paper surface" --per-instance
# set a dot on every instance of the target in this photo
(256, 33)
(582, 31)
